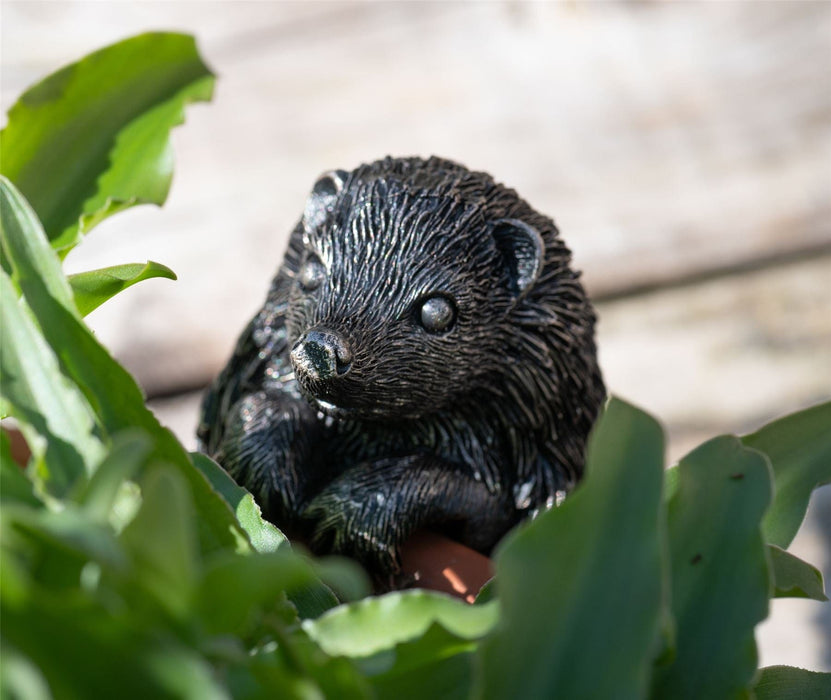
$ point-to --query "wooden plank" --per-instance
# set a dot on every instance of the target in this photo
(723, 356)
(667, 140)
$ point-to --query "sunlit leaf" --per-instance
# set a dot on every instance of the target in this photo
(369, 626)
(111, 392)
(264, 536)
(93, 288)
(55, 417)
(93, 138)
(22, 236)
(43, 399)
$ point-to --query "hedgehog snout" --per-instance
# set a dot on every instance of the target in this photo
(321, 354)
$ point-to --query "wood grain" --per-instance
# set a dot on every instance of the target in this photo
(669, 141)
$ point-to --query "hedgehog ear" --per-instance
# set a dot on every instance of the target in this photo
(522, 249)
(323, 195)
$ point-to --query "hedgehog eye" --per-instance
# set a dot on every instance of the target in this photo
(311, 274)
(437, 314)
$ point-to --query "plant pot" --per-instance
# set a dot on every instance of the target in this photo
(440, 564)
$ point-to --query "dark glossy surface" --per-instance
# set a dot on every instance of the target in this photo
(425, 358)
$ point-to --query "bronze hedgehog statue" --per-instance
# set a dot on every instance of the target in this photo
(425, 358)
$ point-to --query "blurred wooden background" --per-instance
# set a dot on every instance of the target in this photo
(684, 149)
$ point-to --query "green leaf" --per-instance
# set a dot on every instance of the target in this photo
(376, 624)
(437, 665)
(264, 536)
(85, 649)
(793, 577)
(161, 540)
(799, 449)
(57, 545)
(313, 600)
(183, 674)
(112, 393)
(345, 576)
(297, 668)
(48, 405)
(487, 592)
(337, 579)
(93, 288)
(269, 676)
(22, 236)
(789, 683)
(20, 678)
(126, 505)
(582, 587)
(42, 398)
(55, 417)
(128, 452)
(93, 138)
(236, 592)
(720, 580)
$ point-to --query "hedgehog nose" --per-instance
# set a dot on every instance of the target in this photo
(321, 354)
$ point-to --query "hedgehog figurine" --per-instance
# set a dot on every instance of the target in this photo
(424, 359)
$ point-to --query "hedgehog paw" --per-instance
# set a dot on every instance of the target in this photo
(341, 526)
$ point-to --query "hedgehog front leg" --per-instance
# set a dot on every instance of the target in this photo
(371, 509)
(266, 447)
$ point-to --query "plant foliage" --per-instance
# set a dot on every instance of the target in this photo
(563, 594)
(129, 566)
(92, 138)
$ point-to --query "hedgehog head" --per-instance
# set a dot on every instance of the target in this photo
(422, 287)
